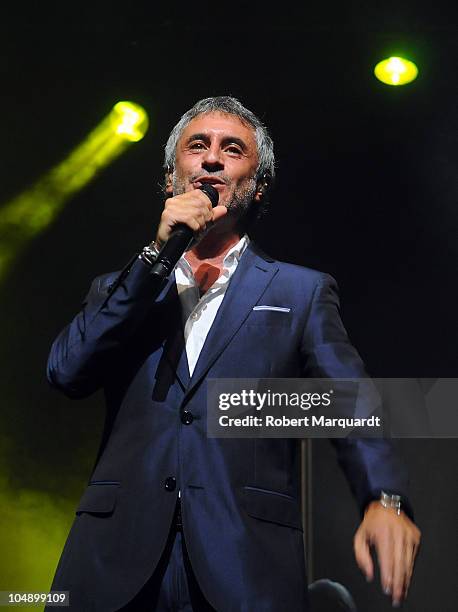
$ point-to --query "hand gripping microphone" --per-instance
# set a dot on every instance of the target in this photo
(179, 240)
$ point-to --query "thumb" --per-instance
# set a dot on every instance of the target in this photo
(218, 212)
(363, 555)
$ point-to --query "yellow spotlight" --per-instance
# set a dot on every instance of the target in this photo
(30, 212)
(396, 71)
(129, 120)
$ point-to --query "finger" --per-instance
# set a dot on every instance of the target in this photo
(384, 547)
(194, 224)
(204, 197)
(194, 217)
(195, 200)
(409, 558)
(208, 215)
(400, 569)
(202, 213)
(363, 555)
(411, 555)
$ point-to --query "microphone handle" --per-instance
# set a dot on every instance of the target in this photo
(173, 249)
(179, 241)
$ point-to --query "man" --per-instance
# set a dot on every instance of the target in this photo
(152, 347)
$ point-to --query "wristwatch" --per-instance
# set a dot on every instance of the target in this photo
(388, 500)
(149, 253)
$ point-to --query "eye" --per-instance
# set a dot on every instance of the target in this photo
(197, 145)
(234, 150)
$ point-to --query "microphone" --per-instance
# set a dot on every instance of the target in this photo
(179, 240)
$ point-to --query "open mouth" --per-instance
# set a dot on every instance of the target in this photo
(209, 180)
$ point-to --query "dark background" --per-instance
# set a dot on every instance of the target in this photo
(366, 190)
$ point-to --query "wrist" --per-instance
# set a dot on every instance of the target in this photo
(388, 501)
(149, 253)
(158, 243)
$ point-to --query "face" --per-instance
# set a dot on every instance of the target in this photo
(218, 149)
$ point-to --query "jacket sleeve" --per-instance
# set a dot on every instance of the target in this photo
(113, 309)
(370, 464)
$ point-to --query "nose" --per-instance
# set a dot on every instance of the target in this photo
(212, 159)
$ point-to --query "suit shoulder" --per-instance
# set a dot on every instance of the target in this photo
(294, 270)
(304, 272)
(300, 274)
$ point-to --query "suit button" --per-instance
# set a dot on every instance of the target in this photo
(187, 417)
(170, 483)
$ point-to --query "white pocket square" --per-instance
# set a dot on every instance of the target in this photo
(274, 308)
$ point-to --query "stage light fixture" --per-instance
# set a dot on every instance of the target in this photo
(129, 120)
(396, 71)
(29, 213)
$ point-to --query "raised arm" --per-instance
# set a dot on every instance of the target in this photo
(112, 311)
(117, 304)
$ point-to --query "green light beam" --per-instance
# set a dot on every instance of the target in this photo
(30, 212)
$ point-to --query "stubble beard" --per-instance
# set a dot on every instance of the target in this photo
(241, 199)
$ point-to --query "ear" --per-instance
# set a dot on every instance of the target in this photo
(168, 183)
(261, 189)
(258, 195)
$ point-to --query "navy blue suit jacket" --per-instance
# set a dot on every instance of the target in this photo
(240, 497)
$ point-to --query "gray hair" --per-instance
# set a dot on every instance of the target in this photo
(229, 106)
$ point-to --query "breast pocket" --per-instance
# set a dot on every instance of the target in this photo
(270, 316)
(99, 498)
(272, 506)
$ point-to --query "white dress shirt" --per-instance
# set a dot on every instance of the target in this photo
(200, 312)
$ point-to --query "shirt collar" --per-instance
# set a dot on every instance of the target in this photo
(230, 260)
(235, 253)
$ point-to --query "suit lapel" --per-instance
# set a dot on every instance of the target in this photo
(175, 353)
(250, 280)
(174, 346)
